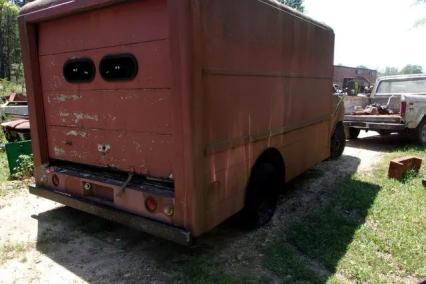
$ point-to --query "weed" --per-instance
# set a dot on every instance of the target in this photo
(12, 250)
(202, 273)
(24, 168)
(409, 176)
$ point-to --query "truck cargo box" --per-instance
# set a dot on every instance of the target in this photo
(164, 109)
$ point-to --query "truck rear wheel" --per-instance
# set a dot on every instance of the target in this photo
(338, 142)
(353, 132)
(421, 133)
(261, 196)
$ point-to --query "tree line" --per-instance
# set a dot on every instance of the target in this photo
(10, 50)
(408, 69)
(296, 4)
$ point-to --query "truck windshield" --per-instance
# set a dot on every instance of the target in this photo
(402, 86)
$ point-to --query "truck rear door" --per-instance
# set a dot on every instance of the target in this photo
(106, 90)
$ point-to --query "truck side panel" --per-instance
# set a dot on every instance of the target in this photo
(267, 75)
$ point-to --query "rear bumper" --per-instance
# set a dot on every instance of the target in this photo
(375, 125)
(155, 228)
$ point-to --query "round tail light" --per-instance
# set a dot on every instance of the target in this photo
(151, 204)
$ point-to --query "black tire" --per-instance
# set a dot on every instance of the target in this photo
(421, 133)
(353, 132)
(338, 142)
(384, 132)
(261, 196)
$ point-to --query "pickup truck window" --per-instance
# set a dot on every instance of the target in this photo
(402, 86)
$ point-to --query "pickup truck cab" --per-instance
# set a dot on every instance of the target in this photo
(403, 97)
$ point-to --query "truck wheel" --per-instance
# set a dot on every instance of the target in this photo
(354, 133)
(338, 142)
(261, 196)
(421, 133)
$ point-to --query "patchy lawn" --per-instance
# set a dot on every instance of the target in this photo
(373, 231)
(331, 226)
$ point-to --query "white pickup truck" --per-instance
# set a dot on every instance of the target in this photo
(404, 100)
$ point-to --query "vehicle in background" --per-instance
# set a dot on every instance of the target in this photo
(15, 119)
(397, 104)
(14, 106)
(172, 116)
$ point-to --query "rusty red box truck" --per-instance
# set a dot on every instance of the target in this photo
(171, 116)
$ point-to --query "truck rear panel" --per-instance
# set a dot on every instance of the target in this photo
(124, 125)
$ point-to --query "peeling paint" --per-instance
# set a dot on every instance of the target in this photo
(59, 151)
(84, 116)
(64, 98)
(111, 117)
(76, 133)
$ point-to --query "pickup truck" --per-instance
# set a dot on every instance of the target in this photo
(398, 104)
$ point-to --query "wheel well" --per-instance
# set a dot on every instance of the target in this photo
(421, 121)
(339, 123)
(273, 156)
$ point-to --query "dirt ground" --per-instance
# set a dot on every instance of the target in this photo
(42, 241)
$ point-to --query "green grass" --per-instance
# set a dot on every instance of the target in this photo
(285, 261)
(374, 230)
(4, 168)
(203, 273)
(7, 186)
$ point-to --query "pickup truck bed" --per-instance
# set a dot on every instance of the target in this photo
(390, 118)
(375, 122)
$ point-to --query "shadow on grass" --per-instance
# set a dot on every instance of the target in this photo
(313, 247)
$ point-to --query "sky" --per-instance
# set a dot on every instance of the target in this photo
(374, 33)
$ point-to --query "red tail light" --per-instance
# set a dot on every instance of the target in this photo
(151, 204)
(403, 108)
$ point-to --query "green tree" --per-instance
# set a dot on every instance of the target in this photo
(10, 51)
(412, 69)
(389, 71)
(296, 4)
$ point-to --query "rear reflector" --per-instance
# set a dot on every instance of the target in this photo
(403, 108)
(151, 204)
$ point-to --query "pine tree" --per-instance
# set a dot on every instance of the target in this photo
(296, 4)
(10, 51)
